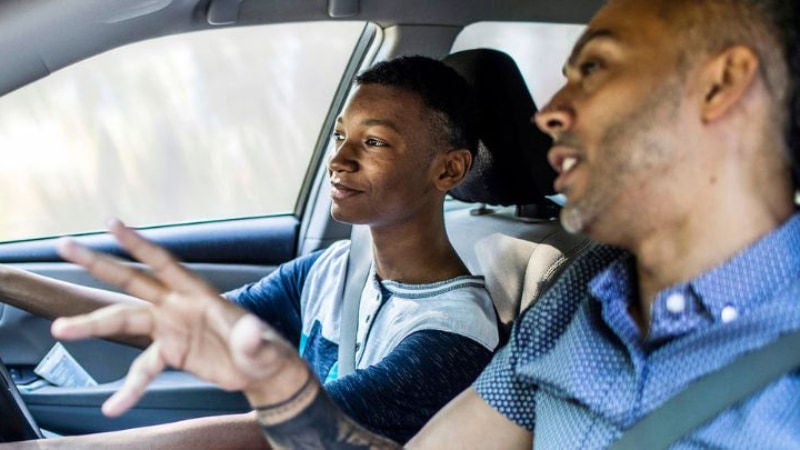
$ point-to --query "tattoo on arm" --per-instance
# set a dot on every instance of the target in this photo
(320, 425)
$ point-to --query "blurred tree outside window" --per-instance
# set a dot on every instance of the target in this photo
(200, 126)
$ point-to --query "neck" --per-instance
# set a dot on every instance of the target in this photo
(705, 236)
(417, 251)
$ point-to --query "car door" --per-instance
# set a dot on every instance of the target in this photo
(211, 143)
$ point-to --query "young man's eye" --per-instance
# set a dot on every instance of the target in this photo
(337, 136)
(372, 142)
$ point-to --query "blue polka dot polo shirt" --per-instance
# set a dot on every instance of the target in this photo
(577, 373)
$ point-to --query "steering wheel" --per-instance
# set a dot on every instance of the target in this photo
(17, 423)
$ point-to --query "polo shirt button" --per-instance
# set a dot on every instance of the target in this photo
(676, 303)
(368, 318)
(729, 314)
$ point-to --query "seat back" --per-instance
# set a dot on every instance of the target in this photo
(518, 259)
(519, 246)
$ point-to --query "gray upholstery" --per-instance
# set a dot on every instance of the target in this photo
(519, 259)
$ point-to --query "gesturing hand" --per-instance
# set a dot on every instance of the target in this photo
(191, 326)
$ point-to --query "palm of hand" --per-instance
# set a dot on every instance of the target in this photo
(189, 323)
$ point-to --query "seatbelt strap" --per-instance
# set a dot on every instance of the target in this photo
(358, 263)
(712, 394)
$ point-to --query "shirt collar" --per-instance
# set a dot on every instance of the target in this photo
(754, 274)
(733, 288)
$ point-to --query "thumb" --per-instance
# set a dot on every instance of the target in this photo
(246, 340)
(256, 349)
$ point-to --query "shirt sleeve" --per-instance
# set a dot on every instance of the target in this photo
(275, 299)
(498, 386)
(397, 396)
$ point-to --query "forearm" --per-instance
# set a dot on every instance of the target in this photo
(51, 298)
(232, 431)
(310, 420)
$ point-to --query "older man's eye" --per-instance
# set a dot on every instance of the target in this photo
(589, 67)
(337, 136)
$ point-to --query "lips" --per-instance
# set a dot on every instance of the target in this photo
(565, 160)
(341, 191)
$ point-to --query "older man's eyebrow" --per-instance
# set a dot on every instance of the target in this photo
(600, 33)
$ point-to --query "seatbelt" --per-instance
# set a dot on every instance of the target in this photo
(358, 263)
(712, 394)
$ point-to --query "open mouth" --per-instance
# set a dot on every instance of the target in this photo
(568, 163)
(565, 167)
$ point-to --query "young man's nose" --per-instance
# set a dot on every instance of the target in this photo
(342, 159)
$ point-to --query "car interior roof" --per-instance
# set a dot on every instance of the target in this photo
(66, 31)
(419, 12)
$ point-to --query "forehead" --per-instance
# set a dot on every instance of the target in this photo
(635, 24)
(384, 102)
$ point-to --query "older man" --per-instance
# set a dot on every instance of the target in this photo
(672, 150)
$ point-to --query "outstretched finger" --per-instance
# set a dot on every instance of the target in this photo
(165, 266)
(115, 320)
(144, 369)
(113, 271)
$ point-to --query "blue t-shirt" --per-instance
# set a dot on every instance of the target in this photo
(417, 345)
(577, 373)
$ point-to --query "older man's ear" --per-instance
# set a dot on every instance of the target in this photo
(725, 79)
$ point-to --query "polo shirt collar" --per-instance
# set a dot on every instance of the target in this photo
(722, 294)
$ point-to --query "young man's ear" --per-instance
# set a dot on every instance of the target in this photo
(725, 79)
(453, 168)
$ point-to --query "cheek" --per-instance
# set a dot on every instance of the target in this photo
(402, 190)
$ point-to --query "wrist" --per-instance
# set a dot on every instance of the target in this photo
(283, 385)
(274, 413)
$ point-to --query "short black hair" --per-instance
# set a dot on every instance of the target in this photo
(441, 89)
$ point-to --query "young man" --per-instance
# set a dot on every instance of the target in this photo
(402, 142)
(670, 139)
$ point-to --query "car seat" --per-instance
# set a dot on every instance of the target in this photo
(504, 226)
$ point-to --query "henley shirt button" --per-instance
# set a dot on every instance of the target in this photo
(676, 303)
(367, 319)
(729, 314)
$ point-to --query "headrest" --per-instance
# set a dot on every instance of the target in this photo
(511, 166)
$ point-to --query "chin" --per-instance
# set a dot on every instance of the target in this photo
(338, 216)
(347, 217)
(572, 220)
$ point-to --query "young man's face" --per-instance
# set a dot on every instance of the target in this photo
(616, 123)
(381, 172)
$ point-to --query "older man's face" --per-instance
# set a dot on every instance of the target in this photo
(617, 123)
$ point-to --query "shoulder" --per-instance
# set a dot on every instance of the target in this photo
(543, 322)
(461, 306)
(571, 287)
(331, 263)
(337, 253)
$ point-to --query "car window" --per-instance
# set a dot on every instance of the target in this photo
(193, 127)
(540, 50)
